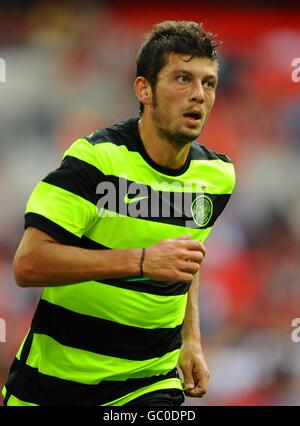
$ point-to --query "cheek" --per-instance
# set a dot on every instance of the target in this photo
(210, 101)
(168, 94)
(168, 105)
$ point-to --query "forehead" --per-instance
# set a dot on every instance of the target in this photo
(196, 65)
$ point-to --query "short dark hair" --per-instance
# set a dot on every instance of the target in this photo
(167, 37)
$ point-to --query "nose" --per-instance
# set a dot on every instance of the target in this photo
(197, 92)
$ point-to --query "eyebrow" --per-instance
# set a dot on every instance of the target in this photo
(208, 76)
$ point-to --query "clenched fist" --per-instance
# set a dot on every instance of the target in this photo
(174, 259)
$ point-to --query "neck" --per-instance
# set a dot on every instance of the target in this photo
(159, 149)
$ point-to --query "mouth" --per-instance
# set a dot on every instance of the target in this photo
(193, 116)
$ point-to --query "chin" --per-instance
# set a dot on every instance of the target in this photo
(185, 137)
(191, 134)
(180, 136)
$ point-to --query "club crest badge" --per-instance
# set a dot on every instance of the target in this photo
(202, 210)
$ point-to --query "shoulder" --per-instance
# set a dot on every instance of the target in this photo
(201, 152)
(214, 166)
(121, 133)
(103, 144)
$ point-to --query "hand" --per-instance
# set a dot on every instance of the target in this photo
(172, 259)
(194, 368)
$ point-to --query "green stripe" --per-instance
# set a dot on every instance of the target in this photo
(217, 176)
(90, 368)
(138, 279)
(64, 208)
(120, 305)
(163, 384)
(116, 231)
(13, 401)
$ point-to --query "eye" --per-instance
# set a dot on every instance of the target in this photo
(210, 84)
(183, 79)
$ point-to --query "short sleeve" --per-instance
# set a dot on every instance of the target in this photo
(63, 204)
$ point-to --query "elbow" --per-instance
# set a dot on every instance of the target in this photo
(23, 270)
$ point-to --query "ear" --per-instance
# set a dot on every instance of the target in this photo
(143, 90)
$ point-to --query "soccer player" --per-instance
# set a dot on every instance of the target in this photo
(115, 237)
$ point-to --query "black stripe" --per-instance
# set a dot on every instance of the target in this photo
(201, 152)
(168, 204)
(172, 208)
(78, 177)
(91, 244)
(105, 337)
(59, 233)
(161, 206)
(16, 370)
(45, 390)
(160, 288)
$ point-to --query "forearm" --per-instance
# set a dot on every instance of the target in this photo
(191, 325)
(53, 264)
(191, 358)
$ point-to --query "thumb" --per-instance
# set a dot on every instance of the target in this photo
(188, 381)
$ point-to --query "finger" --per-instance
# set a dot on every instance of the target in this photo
(193, 256)
(194, 245)
(190, 267)
(201, 383)
(188, 381)
(200, 387)
(185, 276)
(197, 391)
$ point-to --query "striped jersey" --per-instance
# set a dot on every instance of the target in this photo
(109, 341)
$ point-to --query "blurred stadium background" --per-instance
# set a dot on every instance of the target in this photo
(70, 69)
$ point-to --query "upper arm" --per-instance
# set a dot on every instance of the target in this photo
(31, 242)
(31, 245)
(34, 236)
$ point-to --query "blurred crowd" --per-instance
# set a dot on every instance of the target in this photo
(70, 70)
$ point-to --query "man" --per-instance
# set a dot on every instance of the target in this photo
(115, 238)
